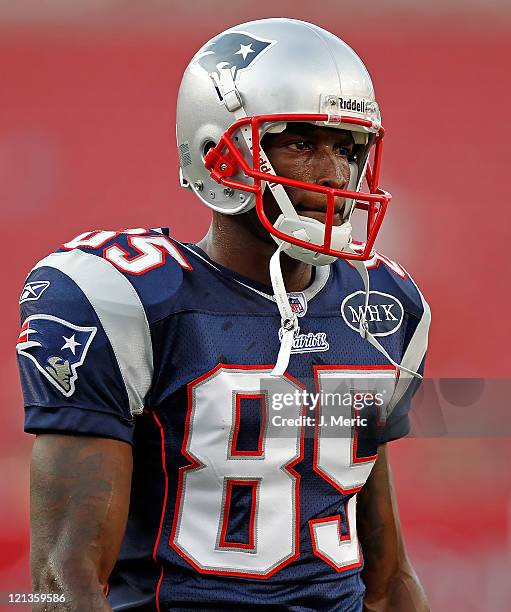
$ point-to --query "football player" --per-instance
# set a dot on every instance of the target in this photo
(188, 454)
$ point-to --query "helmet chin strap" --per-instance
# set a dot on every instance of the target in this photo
(289, 320)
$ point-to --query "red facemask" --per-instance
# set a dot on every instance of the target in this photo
(225, 160)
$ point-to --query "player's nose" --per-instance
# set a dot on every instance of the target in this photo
(332, 171)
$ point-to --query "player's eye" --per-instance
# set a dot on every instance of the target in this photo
(299, 145)
(345, 151)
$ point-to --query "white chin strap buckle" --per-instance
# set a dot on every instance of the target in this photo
(289, 325)
(288, 328)
(312, 231)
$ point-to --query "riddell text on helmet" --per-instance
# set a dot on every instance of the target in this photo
(359, 106)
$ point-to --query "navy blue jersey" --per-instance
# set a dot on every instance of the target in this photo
(245, 484)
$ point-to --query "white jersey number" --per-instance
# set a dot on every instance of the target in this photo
(204, 488)
(150, 251)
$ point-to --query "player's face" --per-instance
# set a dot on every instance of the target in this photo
(311, 154)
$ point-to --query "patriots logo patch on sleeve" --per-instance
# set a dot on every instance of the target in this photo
(234, 50)
(58, 348)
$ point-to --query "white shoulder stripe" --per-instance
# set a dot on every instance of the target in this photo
(121, 314)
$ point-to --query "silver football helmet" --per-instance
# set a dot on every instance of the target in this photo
(254, 79)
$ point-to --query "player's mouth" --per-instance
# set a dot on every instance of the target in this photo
(319, 212)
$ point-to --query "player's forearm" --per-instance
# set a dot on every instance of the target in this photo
(79, 499)
(402, 593)
(74, 580)
(391, 582)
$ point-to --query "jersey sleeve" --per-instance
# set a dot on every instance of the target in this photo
(397, 424)
(84, 351)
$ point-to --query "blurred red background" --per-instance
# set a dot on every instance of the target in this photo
(87, 142)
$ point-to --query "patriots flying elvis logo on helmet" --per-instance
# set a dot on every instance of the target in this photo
(233, 50)
(57, 348)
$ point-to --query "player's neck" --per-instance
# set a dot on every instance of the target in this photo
(233, 246)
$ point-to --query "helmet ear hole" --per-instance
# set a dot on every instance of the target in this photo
(207, 146)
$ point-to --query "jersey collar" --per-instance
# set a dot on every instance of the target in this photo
(321, 276)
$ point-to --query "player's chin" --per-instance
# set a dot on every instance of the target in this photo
(320, 216)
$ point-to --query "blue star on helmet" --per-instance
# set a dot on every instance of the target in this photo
(56, 347)
(234, 50)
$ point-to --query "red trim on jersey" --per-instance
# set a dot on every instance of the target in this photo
(250, 545)
(354, 458)
(188, 265)
(91, 235)
(194, 464)
(342, 538)
(233, 450)
(131, 258)
(163, 509)
(378, 258)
